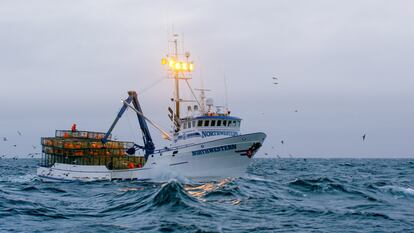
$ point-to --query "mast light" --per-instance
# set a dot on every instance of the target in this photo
(178, 65)
(184, 66)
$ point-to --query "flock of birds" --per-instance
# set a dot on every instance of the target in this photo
(31, 155)
(276, 82)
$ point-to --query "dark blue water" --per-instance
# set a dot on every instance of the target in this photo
(287, 195)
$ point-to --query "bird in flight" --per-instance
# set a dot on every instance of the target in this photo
(363, 137)
(275, 83)
(274, 78)
(4, 139)
(15, 145)
(282, 142)
(34, 147)
(19, 133)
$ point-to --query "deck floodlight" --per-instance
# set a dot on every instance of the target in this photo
(185, 66)
(171, 63)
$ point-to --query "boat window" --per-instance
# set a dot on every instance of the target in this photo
(213, 123)
(184, 126)
(200, 123)
(189, 124)
(224, 123)
(234, 124)
(238, 123)
(194, 124)
(219, 123)
(206, 123)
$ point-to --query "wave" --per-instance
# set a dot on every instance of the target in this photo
(172, 194)
(398, 191)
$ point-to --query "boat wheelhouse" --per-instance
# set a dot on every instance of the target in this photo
(212, 127)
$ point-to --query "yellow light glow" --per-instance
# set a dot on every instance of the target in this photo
(171, 63)
(191, 67)
(178, 66)
(184, 65)
(163, 61)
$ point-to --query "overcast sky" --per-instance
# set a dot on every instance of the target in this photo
(345, 66)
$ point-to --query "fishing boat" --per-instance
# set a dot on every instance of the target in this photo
(206, 141)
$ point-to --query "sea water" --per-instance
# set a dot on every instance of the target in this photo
(275, 195)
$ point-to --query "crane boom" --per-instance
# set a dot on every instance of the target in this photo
(149, 146)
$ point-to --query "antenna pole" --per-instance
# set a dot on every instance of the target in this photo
(226, 92)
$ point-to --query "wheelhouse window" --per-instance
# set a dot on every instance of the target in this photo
(189, 124)
(224, 123)
(213, 123)
(219, 123)
(194, 124)
(200, 123)
(206, 123)
(185, 125)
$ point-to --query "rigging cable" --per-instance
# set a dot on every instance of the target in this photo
(151, 86)
(192, 92)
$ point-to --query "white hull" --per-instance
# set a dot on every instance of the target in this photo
(224, 157)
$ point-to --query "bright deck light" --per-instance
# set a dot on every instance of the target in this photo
(184, 65)
(171, 63)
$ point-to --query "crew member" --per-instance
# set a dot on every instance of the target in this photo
(74, 128)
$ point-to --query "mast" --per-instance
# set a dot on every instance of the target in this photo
(176, 80)
(179, 68)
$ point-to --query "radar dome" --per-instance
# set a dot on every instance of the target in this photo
(209, 102)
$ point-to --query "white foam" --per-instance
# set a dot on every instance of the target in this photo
(20, 179)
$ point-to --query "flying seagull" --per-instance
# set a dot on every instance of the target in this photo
(282, 142)
(15, 145)
(274, 78)
(19, 133)
(363, 137)
(4, 139)
(275, 83)
(34, 147)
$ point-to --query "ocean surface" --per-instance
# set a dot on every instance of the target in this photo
(276, 195)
